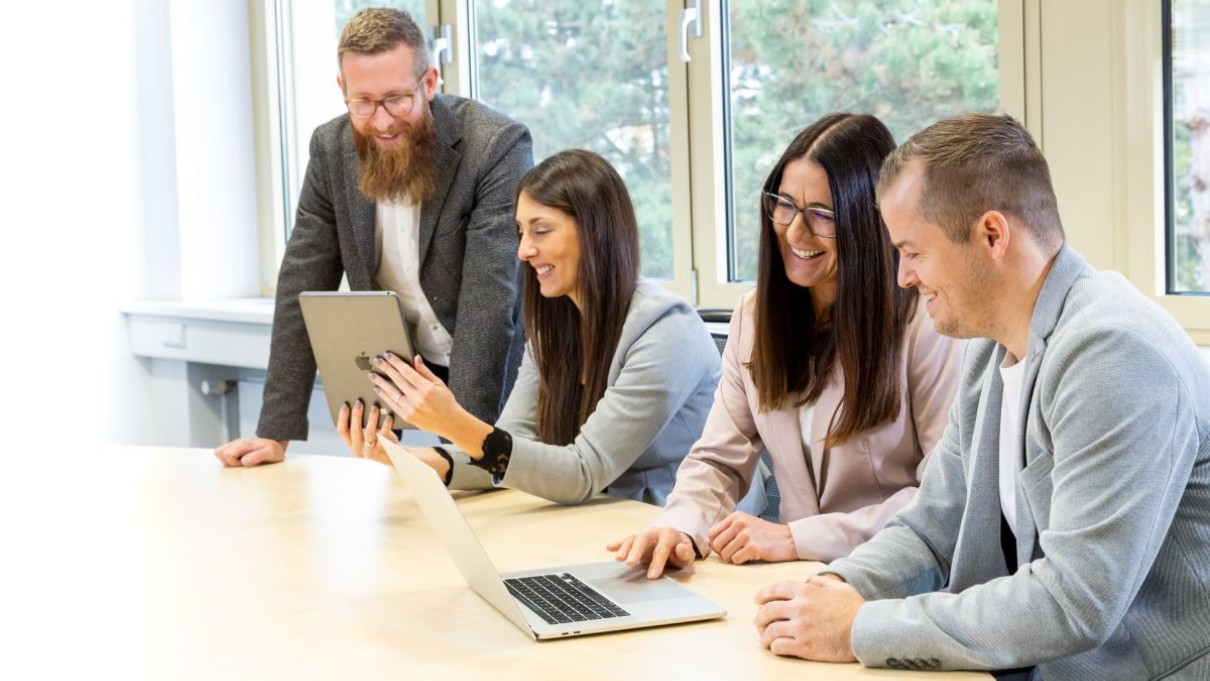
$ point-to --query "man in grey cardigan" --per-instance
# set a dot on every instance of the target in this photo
(1062, 529)
(411, 191)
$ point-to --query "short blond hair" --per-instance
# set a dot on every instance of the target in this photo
(978, 162)
(377, 30)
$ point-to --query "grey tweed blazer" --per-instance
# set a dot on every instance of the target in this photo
(468, 258)
(1113, 580)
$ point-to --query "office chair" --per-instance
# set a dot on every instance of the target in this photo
(714, 317)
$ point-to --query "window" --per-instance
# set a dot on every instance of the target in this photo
(1187, 144)
(592, 75)
(345, 9)
(693, 140)
(310, 96)
(908, 62)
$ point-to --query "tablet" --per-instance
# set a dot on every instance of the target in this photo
(348, 329)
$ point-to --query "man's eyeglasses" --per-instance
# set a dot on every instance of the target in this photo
(396, 105)
(819, 221)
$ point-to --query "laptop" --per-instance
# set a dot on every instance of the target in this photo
(348, 329)
(554, 602)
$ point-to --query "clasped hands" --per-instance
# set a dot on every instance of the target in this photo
(812, 620)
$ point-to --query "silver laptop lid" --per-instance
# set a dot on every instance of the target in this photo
(455, 533)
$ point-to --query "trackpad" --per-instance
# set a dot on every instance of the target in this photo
(629, 585)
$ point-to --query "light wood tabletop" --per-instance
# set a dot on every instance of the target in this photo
(158, 563)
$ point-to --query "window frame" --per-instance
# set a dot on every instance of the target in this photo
(697, 98)
(710, 180)
(463, 76)
(1139, 59)
(271, 130)
(1169, 144)
(276, 126)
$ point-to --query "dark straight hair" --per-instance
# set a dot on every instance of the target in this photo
(797, 346)
(573, 348)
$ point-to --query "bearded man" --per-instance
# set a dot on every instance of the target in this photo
(411, 191)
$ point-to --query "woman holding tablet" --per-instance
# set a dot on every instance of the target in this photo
(618, 374)
(829, 365)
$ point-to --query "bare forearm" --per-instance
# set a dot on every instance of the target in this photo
(468, 432)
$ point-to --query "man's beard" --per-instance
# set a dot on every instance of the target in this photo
(405, 171)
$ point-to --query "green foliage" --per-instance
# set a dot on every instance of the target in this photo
(591, 75)
(594, 74)
(1192, 275)
(1185, 259)
(909, 62)
(345, 9)
(1189, 274)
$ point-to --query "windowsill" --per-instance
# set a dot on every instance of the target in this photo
(231, 333)
(243, 310)
(223, 332)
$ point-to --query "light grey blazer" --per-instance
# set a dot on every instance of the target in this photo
(837, 497)
(1114, 499)
(468, 258)
(661, 382)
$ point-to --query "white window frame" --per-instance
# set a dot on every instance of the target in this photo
(268, 81)
(1102, 102)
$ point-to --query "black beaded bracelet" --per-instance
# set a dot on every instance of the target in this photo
(497, 450)
(449, 473)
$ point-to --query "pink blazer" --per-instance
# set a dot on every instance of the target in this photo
(839, 497)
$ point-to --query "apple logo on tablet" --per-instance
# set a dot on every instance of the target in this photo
(363, 361)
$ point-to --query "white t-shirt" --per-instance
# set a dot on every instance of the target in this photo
(1013, 376)
(397, 242)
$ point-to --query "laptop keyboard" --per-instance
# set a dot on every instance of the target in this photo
(562, 598)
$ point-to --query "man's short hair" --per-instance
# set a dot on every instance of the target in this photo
(978, 162)
(377, 30)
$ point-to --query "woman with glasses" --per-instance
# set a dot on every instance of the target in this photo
(829, 365)
(618, 375)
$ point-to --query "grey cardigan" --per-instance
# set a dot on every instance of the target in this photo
(661, 382)
(468, 258)
(1114, 501)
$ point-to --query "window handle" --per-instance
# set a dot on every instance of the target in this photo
(442, 44)
(691, 17)
(441, 48)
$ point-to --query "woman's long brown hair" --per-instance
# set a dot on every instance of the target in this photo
(794, 350)
(573, 348)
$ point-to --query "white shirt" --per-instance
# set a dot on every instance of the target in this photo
(1010, 439)
(397, 243)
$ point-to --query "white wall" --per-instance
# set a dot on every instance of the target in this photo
(215, 169)
(107, 200)
(73, 223)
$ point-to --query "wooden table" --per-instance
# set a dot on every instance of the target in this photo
(154, 563)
